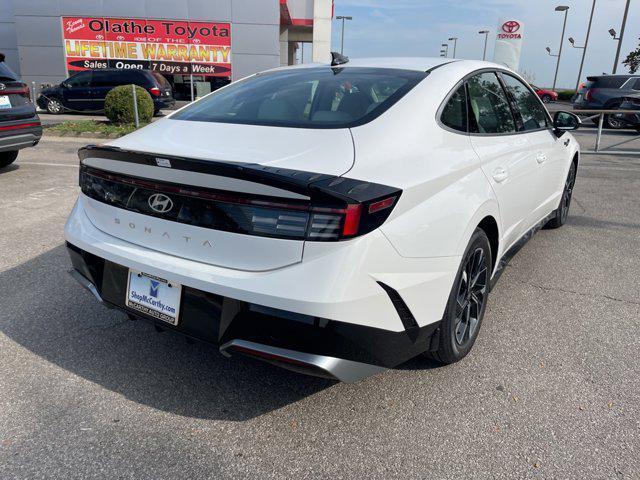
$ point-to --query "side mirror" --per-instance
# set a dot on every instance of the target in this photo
(565, 121)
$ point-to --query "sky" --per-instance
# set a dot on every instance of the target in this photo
(419, 27)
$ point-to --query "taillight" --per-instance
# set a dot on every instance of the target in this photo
(155, 91)
(330, 216)
(21, 89)
(588, 96)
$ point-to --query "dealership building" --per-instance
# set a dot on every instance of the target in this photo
(209, 41)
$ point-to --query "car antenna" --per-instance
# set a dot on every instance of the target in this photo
(338, 59)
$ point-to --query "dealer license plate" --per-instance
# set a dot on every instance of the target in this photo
(5, 102)
(154, 296)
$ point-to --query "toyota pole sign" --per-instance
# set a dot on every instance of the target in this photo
(509, 37)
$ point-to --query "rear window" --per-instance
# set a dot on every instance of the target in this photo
(6, 73)
(163, 82)
(319, 97)
(605, 82)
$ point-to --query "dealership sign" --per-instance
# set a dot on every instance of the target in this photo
(509, 37)
(172, 47)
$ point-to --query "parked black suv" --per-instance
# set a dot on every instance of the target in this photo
(19, 123)
(606, 92)
(86, 90)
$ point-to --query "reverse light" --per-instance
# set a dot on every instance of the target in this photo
(155, 91)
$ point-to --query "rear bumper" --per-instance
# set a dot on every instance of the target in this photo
(311, 345)
(159, 103)
(19, 135)
(346, 300)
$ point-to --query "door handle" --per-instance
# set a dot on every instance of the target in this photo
(500, 174)
(541, 157)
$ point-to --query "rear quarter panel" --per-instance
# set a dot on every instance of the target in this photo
(445, 193)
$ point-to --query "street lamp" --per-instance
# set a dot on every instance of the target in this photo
(486, 36)
(343, 18)
(565, 9)
(446, 49)
(455, 44)
(612, 32)
(586, 43)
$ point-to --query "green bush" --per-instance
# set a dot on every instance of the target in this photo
(565, 95)
(118, 106)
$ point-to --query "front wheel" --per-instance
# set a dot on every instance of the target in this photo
(467, 302)
(7, 158)
(54, 106)
(562, 212)
(546, 98)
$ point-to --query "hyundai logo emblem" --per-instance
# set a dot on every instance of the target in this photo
(160, 203)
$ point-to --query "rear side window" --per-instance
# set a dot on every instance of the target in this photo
(527, 103)
(606, 82)
(490, 111)
(454, 113)
(636, 84)
(316, 97)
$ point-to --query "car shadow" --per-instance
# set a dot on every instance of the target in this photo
(10, 168)
(45, 311)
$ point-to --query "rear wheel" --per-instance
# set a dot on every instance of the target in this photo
(467, 302)
(562, 212)
(7, 158)
(546, 98)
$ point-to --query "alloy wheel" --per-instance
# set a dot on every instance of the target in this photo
(567, 193)
(471, 296)
(54, 106)
(613, 122)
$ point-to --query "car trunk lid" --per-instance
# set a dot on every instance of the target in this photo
(237, 196)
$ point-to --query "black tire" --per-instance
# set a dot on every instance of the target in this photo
(54, 106)
(458, 330)
(7, 158)
(546, 98)
(562, 212)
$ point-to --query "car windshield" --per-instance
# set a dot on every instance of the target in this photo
(315, 97)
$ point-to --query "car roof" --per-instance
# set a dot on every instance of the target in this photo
(420, 64)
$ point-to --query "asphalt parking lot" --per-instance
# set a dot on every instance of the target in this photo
(551, 389)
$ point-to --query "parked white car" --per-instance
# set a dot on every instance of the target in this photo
(331, 219)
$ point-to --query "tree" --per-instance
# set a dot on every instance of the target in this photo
(632, 62)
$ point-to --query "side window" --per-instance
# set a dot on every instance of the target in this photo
(527, 103)
(82, 79)
(100, 79)
(636, 84)
(490, 111)
(454, 113)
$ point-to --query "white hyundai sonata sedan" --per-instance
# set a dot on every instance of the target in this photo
(333, 219)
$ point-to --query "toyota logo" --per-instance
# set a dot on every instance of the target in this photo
(160, 203)
(511, 26)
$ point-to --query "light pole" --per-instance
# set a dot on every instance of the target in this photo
(455, 44)
(565, 9)
(586, 43)
(486, 36)
(446, 51)
(624, 24)
(343, 18)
